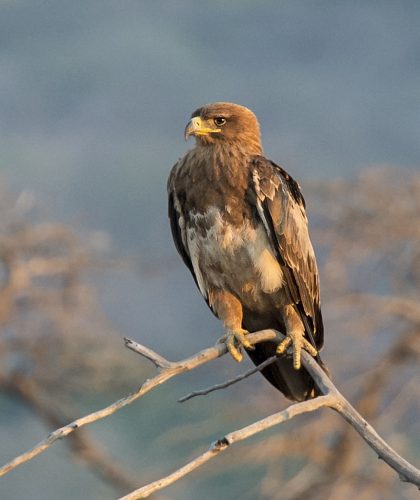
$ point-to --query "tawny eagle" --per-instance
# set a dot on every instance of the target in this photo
(239, 224)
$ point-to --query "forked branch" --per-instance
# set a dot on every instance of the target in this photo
(330, 398)
(166, 370)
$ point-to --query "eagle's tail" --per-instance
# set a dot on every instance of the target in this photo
(296, 385)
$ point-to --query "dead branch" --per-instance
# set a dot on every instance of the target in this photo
(233, 437)
(331, 398)
(166, 370)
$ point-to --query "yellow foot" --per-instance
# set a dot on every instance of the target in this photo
(235, 340)
(298, 342)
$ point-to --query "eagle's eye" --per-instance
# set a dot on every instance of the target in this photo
(219, 121)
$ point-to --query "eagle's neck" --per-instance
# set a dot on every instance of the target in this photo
(246, 146)
(216, 179)
(225, 162)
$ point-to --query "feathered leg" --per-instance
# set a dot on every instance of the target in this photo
(228, 308)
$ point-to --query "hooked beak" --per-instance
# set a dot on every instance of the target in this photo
(195, 127)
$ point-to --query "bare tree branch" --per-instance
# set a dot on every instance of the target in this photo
(164, 374)
(232, 438)
(331, 398)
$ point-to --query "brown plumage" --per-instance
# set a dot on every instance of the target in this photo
(239, 223)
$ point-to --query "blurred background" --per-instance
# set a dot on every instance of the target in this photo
(94, 97)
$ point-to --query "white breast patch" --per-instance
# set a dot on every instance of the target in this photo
(224, 255)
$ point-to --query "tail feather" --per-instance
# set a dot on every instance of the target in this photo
(296, 385)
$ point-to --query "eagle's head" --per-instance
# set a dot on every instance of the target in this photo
(225, 123)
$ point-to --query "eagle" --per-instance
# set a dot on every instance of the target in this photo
(238, 221)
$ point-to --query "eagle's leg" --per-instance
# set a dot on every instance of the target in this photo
(295, 336)
(228, 308)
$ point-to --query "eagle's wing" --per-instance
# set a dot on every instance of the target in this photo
(281, 208)
(177, 218)
(177, 221)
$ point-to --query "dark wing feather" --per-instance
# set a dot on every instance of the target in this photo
(177, 217)
(174, 217)
(177, 221)
(281, 207)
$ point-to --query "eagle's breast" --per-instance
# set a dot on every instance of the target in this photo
(237, 257)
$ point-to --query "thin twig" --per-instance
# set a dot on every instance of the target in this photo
(158, 360)
(223, 385)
